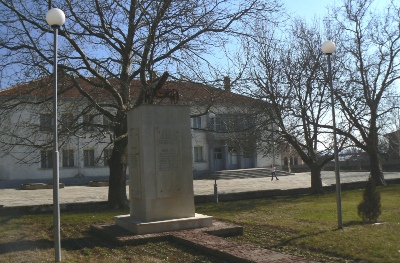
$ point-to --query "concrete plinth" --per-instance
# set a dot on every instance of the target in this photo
(160, 171)
(141, 228)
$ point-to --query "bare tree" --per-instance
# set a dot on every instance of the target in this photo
(370, 44)
(106, 45)
(289, 74)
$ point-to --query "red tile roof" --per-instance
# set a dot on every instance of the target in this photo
(192, 93)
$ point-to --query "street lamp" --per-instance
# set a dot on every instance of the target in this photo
(328, 47)
(56, 18)
(211, 115)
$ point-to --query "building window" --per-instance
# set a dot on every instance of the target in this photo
(88, 122)
(241, 123)
(247, 153)
(88, 158)
(196, 122)
(67, 120)
(218, 153)
(230, 124)
(108, 125)
(46, 121)
(46, 159)
(198, 154)
(107, 155)
(68, 158)
(219, 124)
(232, 155)
(211, 124)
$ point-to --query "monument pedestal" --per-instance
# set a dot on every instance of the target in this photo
(141, 228)
(161, 194)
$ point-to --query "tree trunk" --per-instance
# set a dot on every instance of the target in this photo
(376, 169)
(374, 155)
(316, 181)
(117, 197)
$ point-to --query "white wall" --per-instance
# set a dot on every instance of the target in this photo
(30, 119)
(199, 139)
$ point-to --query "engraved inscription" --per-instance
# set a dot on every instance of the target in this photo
(134, 182)
(168, 150)
(134, 164)
(168, 160)
(134, 160)
(134, 141)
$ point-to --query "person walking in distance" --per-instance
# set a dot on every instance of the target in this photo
(273, 172)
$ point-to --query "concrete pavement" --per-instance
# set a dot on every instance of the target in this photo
(75, 194)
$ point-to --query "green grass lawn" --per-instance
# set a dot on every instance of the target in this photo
(307, 225)
(299, 225)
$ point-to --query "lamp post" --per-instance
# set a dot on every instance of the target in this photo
(273, 145)
(328, 47)
(56, 18)
(211, 115)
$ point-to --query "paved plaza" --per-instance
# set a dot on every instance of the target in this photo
(11, 195)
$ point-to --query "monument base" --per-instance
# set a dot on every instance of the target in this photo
(142, 228)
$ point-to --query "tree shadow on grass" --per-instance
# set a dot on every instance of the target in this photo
(248, 204)
(5, 219)
(352, 223)
(294, 236)
(87, 242)
(298, 237)
(100, 243)
(24, 245)
(70, 244)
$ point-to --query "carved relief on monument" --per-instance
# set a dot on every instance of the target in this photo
(168, 154)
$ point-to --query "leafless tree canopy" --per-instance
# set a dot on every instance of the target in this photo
(287, 70)
(290, 73)
(106, 45)
(369, 42)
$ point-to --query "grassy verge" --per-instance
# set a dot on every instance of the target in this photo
(307, 226)
(301, 225)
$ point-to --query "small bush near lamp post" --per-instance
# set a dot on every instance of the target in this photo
(369, 208)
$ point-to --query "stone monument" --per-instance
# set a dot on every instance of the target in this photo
(161, 194)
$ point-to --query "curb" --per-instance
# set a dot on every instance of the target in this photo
(36, 186)
(198, 199)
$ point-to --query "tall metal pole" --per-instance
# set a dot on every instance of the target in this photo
(56, 168)
(273, 145)
(337, 166)
(55, 18)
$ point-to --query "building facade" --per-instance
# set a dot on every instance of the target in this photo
(222, 139)
(289, 156)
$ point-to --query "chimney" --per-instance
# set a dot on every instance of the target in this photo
(227, 84)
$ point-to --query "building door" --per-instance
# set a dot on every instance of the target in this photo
(218, 161)
(248, 162)
(248, 159)
(233, 161)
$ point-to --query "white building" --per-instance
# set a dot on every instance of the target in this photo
(222, 134)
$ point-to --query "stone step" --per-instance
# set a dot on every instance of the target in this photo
(246, 173)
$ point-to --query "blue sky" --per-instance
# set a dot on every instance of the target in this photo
(307, 8)
(310, 8)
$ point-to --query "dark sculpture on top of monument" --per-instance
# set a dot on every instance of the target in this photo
(159, 92)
